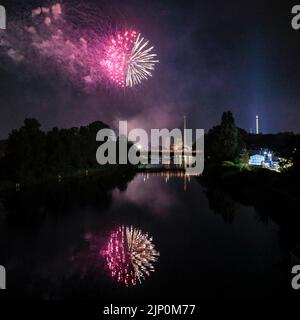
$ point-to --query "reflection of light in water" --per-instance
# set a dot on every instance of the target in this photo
(130, 255)
(170, 174)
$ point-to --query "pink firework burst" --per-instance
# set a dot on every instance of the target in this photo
(127, 59)
(116, 56)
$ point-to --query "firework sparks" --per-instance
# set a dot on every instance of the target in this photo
(128, 59)
(90, 56)
(130, 255)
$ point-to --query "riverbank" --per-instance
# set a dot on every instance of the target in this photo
(109, 173)
(256, 185)
(274, 195)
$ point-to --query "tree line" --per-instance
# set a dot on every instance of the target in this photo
(33, 154)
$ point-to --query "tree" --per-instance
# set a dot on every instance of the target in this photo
(26, 151)
(223, 141)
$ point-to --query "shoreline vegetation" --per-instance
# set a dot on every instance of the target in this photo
(226, 164)
(32, 157)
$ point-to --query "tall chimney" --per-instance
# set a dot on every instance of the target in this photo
(257, 124)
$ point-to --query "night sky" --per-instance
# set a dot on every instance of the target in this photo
(214, 56)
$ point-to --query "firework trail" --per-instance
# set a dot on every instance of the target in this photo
(130, 255)
(82, 48)
(140, 63)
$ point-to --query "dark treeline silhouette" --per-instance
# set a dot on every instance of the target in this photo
(32, 155)
(224, 141)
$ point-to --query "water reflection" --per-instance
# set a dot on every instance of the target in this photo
(220, 202)
(130, 255)
(55, 241)
(169, 174)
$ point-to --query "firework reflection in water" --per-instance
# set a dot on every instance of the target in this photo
(130, 255)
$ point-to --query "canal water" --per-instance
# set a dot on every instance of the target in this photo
(208, 245)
